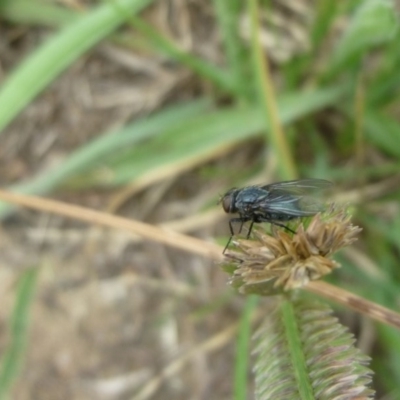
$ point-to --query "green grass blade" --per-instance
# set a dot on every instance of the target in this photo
(296, 349)
(374, 23)
(218, 76)
(267, 97)
(200, 138)
(383, 132)
(384, 87)
(389, 363)
(36, 72)
(242, 349)
(12, 358)
(228, 14)
(36, 12)
(87, 155)
(325, 14)
(190, 133)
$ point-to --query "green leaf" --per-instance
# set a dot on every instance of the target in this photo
(106, 144)
(389, 363)
(242, 349)
(36, 12)
(218, 76)
(202, 137)
(326, 12)
(228, 14)
(383, 132)
(12, 357)
(60, 51)
(374, 23)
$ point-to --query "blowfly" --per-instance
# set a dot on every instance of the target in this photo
(275, 203)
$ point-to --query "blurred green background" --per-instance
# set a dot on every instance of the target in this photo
(152, 110)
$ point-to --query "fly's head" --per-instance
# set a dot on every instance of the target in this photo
(228, 201)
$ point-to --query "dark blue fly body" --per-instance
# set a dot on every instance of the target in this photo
(274, 203)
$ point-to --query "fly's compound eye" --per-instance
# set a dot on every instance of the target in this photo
(228, 203)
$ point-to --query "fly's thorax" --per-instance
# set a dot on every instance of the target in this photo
(249, 196)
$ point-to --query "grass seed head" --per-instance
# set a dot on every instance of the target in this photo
(269, 264)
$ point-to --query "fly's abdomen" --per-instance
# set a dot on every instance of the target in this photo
(279, 217)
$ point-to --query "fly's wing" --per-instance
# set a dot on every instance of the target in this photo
(300, 186)
(293, 198)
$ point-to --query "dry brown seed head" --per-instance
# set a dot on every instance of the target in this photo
(284, 261)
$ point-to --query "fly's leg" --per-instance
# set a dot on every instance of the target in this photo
(231, 221)
(273, 222)
(241, 225)
(283, 226)
(229, 241)
(251, 227)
